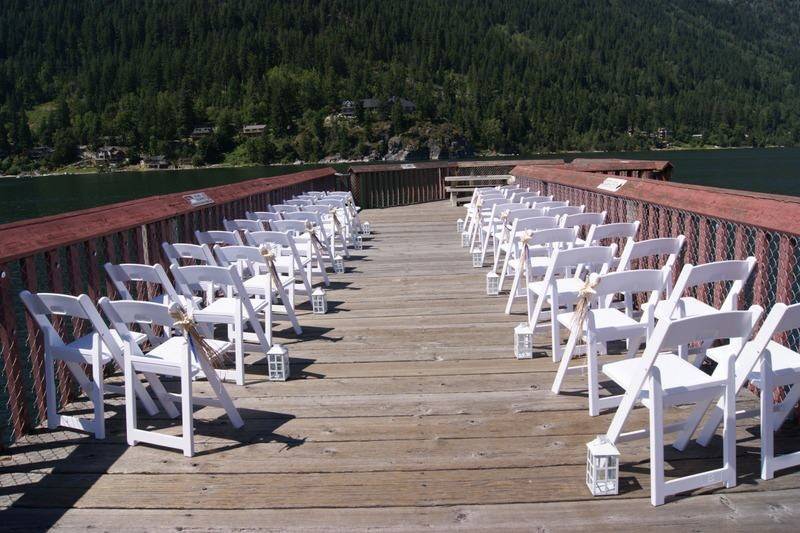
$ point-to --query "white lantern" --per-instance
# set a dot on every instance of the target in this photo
(359, 244)
(477, 259)
(319, 302)
(278, 363)
(460, 225)
(602, 467)
(338, 264)
(464, 239)
(492, 284)
(523, 341)
(366, 229)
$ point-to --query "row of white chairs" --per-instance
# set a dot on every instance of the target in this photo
(581, 281)
(229, 284)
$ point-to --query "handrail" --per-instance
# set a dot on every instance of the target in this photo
(25, 237)
(770, 212)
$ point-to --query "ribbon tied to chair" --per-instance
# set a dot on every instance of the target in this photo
(337, 226)
(585, 296)
(269, 258)
(312, 235)
(523, 256)
(198, 344)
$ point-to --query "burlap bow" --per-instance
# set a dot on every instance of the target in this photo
(269, 258)
(586, 294)
(523, 256)
(337, 226)
(198, 344)
(504, 215)
(312, 235)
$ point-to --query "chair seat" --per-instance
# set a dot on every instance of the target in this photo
(162, 299)
(87, 345)
(678, 376)
(692, 306)
(785, 363)
(256, 284)
(567, 288)
(172, 352)
(610, 324)
(226, 307)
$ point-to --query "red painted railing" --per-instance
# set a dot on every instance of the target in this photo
(65, 253)
(387, 185)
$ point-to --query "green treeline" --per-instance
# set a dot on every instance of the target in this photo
(511, 76)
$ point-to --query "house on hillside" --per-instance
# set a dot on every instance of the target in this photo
(154, 161)
(254, 129)
(201, 131)
(407, 105)
(371, 104)
(108, 155)
(348, 109)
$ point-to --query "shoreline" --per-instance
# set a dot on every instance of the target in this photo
(222, 166)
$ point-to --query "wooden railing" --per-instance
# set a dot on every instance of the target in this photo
(388, 185)
(65, 253)
(718, 224)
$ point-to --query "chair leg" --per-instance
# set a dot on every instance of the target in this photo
(729, 428)
(130, 404)
(555, 332)
(99, 403)
(222, 394)
(593, 378)
(239, 352)
(187, 411)
(49, 376)
(656, 440)
(767, 420)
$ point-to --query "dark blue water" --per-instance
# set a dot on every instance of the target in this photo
(772, 170)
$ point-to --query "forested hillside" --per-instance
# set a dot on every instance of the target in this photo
(502, 75)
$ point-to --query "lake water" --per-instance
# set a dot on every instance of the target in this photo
(772, 170)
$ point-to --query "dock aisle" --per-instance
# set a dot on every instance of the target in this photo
(406, 411)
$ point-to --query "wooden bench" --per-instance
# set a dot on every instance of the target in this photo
(462, 187)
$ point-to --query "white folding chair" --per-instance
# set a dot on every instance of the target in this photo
(288, 256)
(243, 224)
(511, 247)
(661, 378)
(285, 208)
(581, 220)
(177, 253)
(603, 323)
(764, 364)
(649, 254)
(213, 237)
(95, 349)
(265, 217)
(492, 228)
(507, 219)
(563, 291)
(236, 308)
(176, 357)
(310, 240)
(299, 202)
(264, 283)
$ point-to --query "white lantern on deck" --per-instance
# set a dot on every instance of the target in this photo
(477, 259)
(359, 243)
(366, 229)
(602, 467)
(278, 366)
(338, 264)
(492, 284)
(460, 225)
(523, 341)
(464, 239)
(319, 301)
